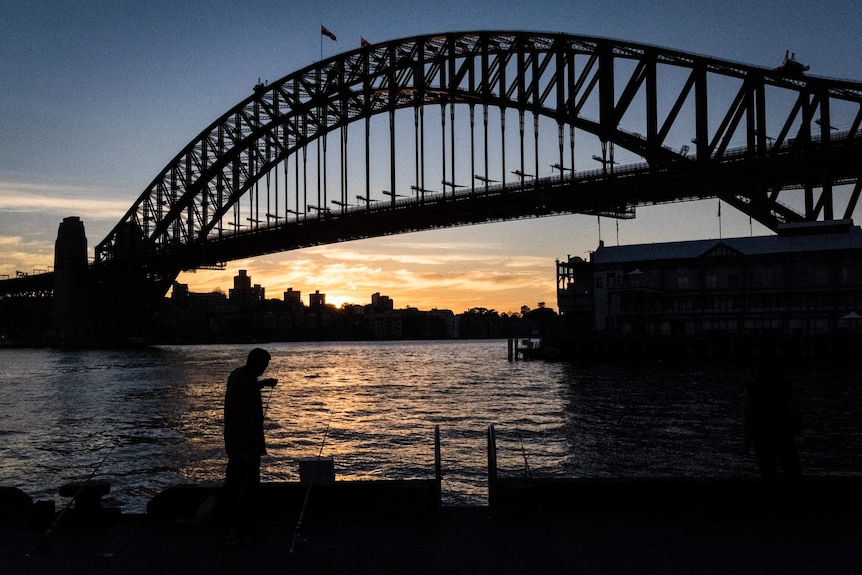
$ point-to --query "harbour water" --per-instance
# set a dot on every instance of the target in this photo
(155, 416)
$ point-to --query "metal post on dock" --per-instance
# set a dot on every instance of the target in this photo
(511, 349)
(492, 470)
(438, 468)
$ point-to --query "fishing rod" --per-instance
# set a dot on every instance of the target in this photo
(268, 398)
(56, 522)
(308, 491)
(524, 455)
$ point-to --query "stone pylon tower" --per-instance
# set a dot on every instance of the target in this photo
(71, 322)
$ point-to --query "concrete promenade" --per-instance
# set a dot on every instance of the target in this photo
(524, 539)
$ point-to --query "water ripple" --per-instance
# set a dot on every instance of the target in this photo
(160, 411)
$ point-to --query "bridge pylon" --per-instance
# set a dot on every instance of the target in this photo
(108, 304)
(71, 321)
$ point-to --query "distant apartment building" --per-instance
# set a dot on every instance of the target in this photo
(805, 281)
(180, 291)
(386, 326)
(451, 325)
(293, 298)
(316, 300)
(243, 293)
(381, 303)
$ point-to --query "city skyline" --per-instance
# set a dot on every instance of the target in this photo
(307, 297)
(98, 99)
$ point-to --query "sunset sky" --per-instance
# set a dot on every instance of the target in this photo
(96, 97)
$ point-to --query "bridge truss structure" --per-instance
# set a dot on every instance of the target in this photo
(262, 178)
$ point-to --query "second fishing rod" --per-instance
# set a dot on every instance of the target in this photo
(298, 529)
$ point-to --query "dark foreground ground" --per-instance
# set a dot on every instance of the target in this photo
(527, 539)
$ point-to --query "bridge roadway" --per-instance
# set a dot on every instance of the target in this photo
(32, 285)
(612, 194)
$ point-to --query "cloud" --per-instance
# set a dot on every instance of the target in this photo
(522, 261)
(405, 254)
(60, 199)
(17, 254)
(454, 246)
(459, 255)
(485, 281)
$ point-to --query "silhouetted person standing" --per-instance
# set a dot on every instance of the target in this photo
(772, 421)
(244, 440)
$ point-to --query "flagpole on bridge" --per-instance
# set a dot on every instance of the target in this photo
(328, 34)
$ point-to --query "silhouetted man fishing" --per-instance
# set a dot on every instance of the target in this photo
(244, 442)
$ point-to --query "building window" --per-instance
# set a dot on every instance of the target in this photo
(733, 281)
(767, 279)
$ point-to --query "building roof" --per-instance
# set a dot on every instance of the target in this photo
(794, 238)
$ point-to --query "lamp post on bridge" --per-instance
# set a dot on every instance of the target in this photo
(522, 175)
(562, 169)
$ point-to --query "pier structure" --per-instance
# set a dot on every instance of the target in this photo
(531, 523)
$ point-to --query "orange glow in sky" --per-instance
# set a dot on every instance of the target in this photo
(424, 270)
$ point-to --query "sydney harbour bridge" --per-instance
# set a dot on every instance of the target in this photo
(462, 128)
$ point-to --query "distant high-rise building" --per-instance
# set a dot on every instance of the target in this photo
(317, 299)
(180, 291)
(242, 280)
(292, 295)
(381, 302)
(243, 292)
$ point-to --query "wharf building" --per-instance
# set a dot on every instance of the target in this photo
(799, 291)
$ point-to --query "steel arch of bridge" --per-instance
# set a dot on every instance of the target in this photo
(581, 83)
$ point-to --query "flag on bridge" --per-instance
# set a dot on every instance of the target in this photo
(364, 42)
(327, 33)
